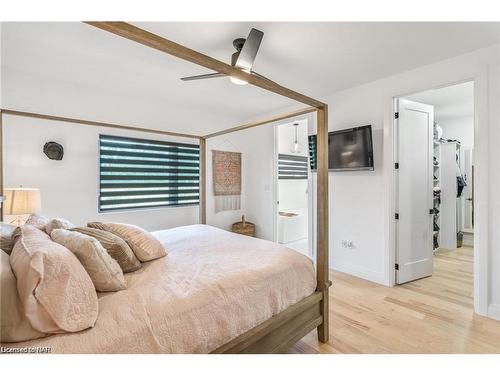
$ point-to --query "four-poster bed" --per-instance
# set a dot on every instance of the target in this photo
(289, 326)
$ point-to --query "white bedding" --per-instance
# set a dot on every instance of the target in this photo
(211, 287)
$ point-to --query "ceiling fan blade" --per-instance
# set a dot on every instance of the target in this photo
(203, 76)
(249, 51)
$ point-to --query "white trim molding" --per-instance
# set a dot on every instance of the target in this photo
(494, 311)
(358, 271)
(481, 180)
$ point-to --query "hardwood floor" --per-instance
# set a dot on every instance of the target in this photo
(431, 315)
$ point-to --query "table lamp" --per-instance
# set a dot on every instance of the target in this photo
(21, 201)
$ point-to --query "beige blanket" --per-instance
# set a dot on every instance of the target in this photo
(211, 287)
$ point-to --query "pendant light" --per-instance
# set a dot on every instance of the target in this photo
(296, 148)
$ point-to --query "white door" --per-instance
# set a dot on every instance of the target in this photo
(415, 196)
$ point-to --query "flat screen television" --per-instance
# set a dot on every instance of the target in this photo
(348, 150)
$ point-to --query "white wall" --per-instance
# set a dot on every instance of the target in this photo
(257, 148)
(1, 103)
(460, 128)
(44, 94)
(356, 200)
(70, 187)
(293, 195)
(362, 203)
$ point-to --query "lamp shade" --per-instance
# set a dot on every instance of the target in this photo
(22, 201)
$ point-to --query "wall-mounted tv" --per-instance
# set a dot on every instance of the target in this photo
(348, 149)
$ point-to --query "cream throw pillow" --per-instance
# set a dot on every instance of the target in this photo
(15, 326)
(104, 271)
(144, 245)
(58, 223)
(56, 292)
(38, 221)
(115, 246)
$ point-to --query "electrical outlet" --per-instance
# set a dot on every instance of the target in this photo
(347, 244)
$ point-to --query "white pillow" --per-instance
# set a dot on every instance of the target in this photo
(104, 271)
(56, 292)
(15, 326)
(58, 223)
(144, 245)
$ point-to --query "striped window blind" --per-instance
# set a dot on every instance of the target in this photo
(292, 167)
(142, 173)
(312, 153)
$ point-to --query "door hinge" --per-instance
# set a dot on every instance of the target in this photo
(396, 165)
(396, 267)
(396, 114)
(396, 216)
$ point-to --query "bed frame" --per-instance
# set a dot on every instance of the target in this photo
(283, 330)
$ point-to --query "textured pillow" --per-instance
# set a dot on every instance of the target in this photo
(115, 246)
(38, 221)
(15, 326)
(145, 246)
(56, 292)
(58, 223)
(105, 273)
(6, 239)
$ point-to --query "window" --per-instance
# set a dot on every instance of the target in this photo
(292, 167)
(142, 173)
(312, 153)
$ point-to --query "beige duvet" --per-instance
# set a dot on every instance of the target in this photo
(211, 287)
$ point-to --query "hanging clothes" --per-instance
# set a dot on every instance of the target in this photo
(461, 184)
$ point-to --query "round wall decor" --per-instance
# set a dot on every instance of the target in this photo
(53, 150)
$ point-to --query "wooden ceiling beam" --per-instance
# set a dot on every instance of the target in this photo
(159, 43)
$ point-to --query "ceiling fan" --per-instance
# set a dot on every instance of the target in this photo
(243, 58)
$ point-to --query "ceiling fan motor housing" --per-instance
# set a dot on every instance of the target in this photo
(243, 58)
(238, 43)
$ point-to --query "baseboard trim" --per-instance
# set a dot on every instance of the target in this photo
(494, 311)
(357, 271)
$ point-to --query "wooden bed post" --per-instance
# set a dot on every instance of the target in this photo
(203, 185)
(322, 266)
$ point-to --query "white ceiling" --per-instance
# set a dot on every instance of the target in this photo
(449, 102)
(313, 58)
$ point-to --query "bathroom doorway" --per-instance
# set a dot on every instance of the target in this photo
(293, 186)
